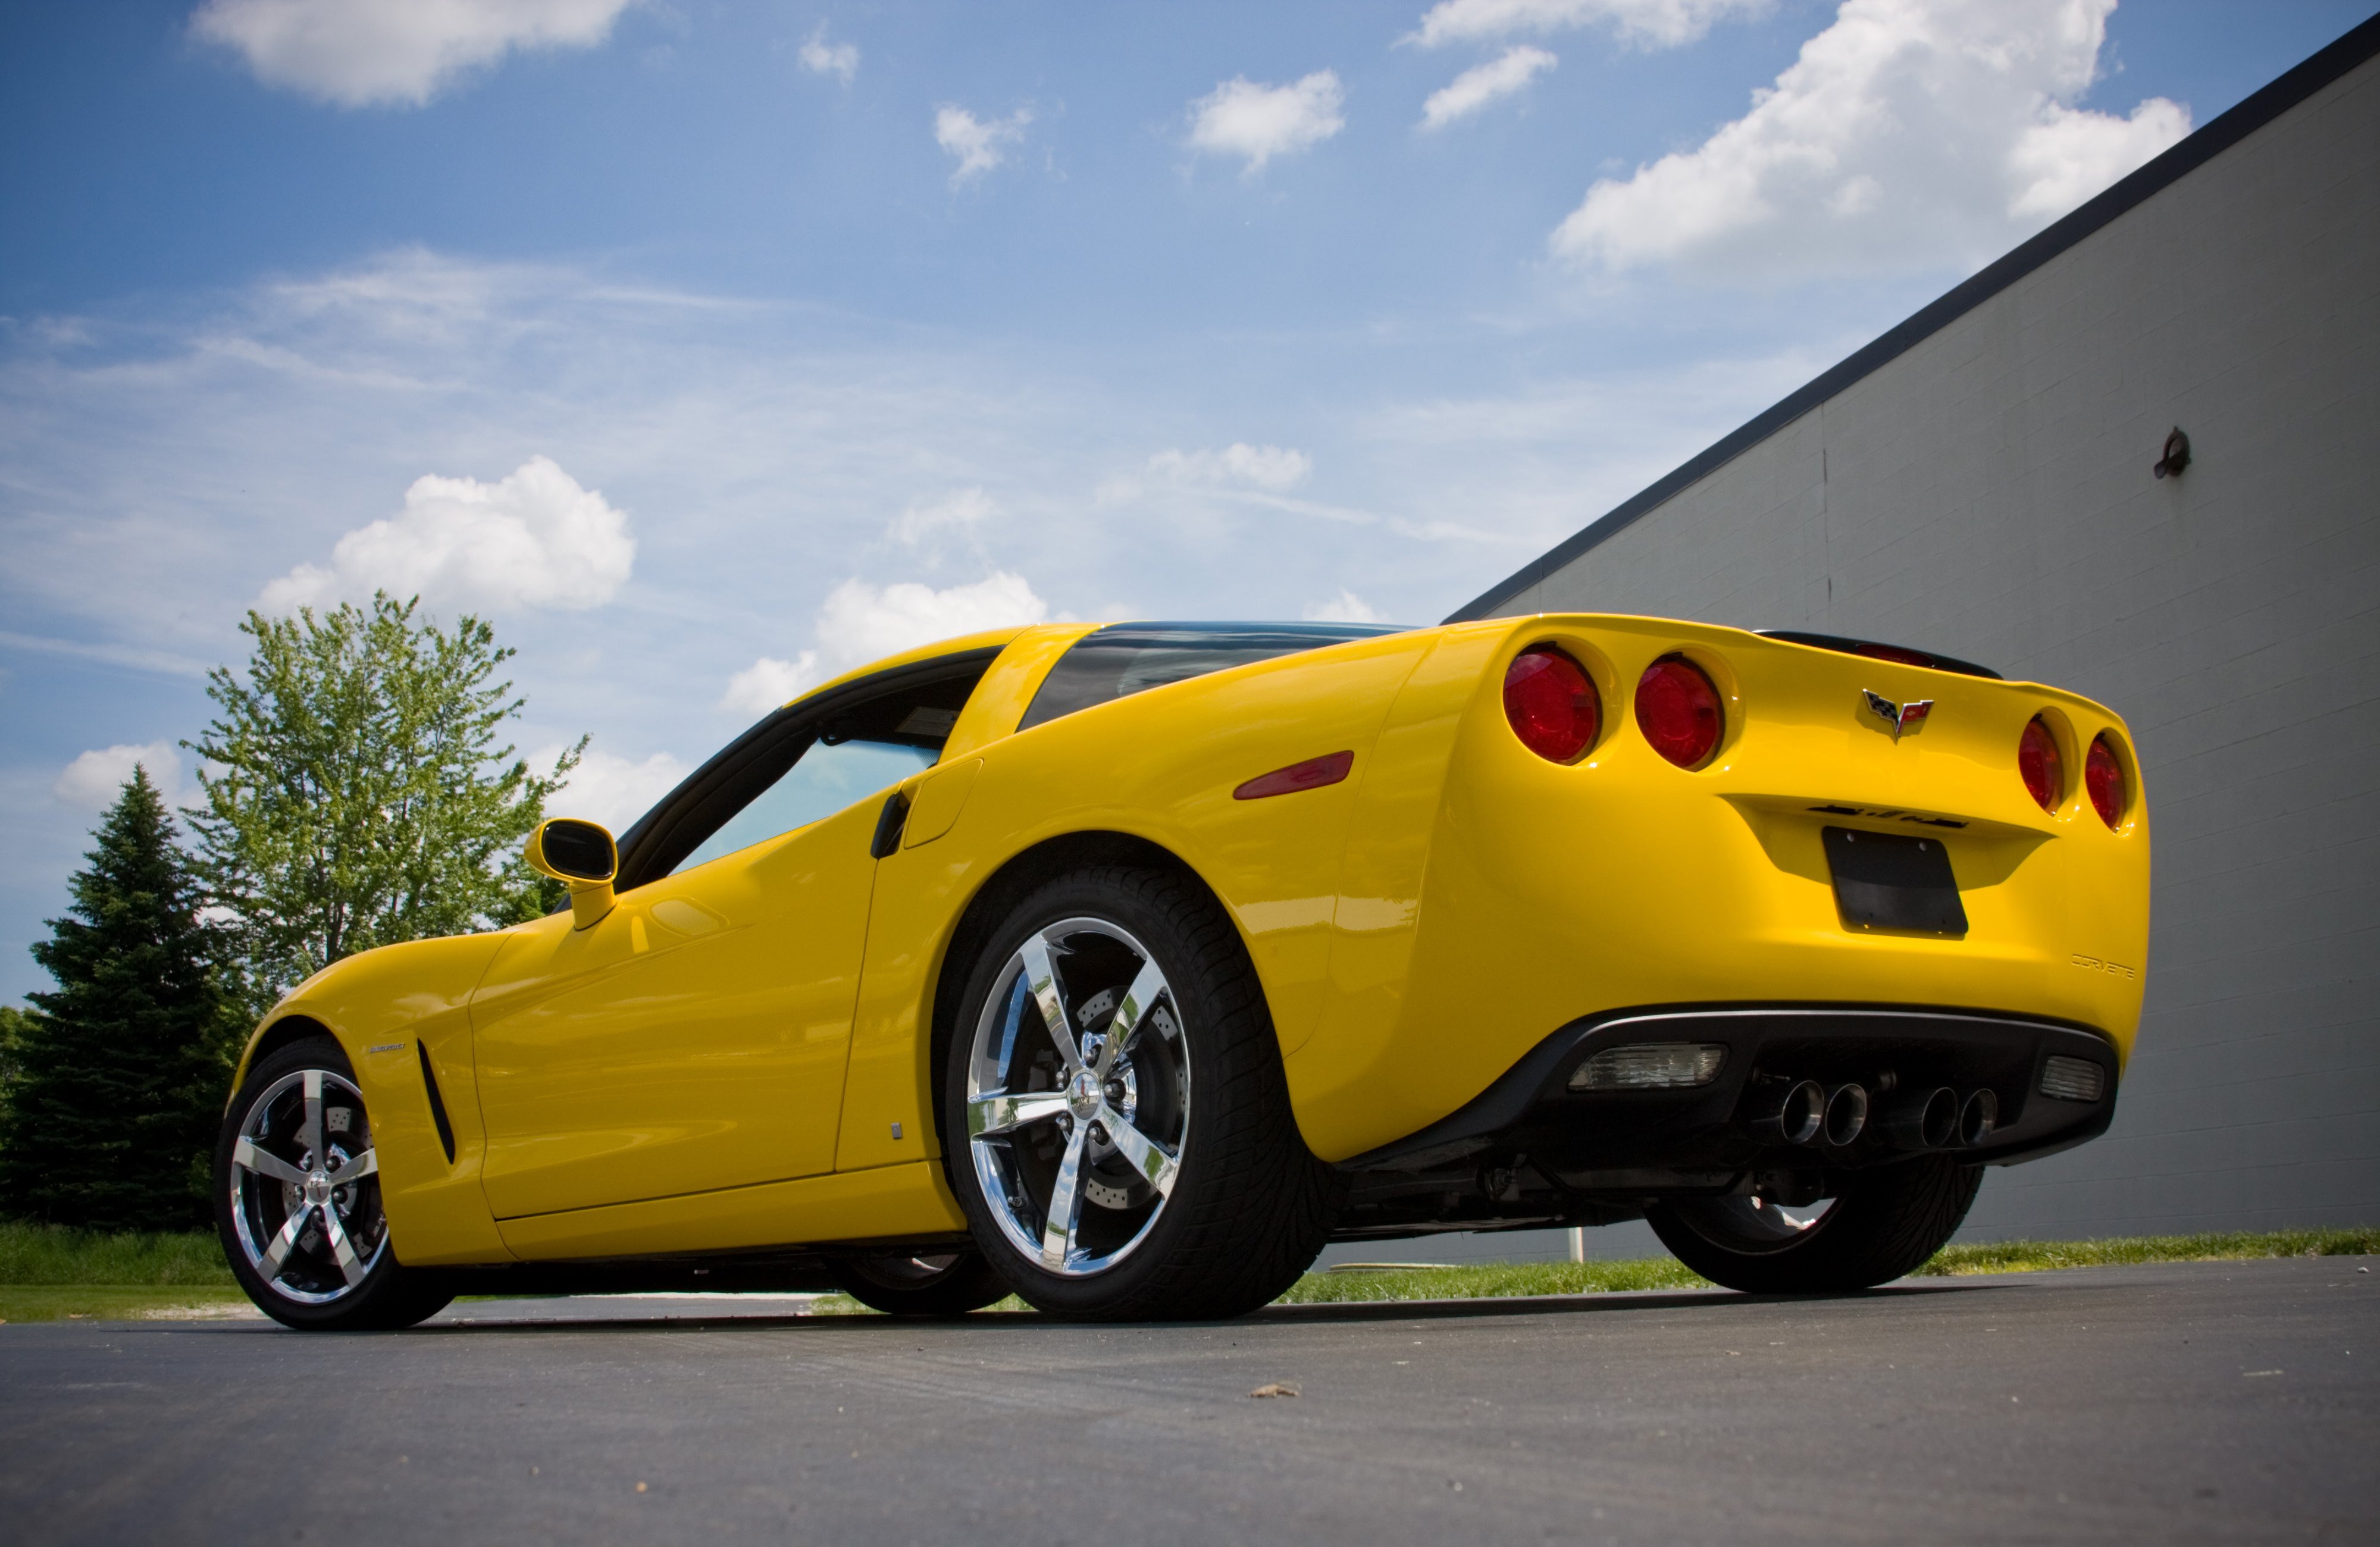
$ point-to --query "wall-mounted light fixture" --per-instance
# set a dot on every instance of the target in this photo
(2175, 458)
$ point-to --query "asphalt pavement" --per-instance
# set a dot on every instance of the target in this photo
(2211, 1402)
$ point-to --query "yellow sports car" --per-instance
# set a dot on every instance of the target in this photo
(1124, 966)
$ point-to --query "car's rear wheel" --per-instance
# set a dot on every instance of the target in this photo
(297, 1199)
(1119, 1127)
(1878, 1225)
(930, 1283)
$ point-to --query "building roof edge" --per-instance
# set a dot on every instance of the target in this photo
(2351, 49)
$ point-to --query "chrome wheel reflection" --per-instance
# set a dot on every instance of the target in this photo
(1078, 1096)
(1753, 1224)
(305, 1188)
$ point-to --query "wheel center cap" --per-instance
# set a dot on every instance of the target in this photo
(318, 1187)
(1083, 1094)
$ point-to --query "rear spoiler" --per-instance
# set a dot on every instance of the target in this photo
(1876, 652)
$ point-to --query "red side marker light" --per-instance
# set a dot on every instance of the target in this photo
(2037, 764)
(1312, 773)
(2103, 775)
(1551, 703)
(1678, 710)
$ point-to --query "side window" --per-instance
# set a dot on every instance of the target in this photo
(808, 760)
(825, 780)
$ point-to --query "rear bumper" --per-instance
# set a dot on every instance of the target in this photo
(1530, 1150)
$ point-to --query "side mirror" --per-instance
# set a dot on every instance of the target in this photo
(582, 855)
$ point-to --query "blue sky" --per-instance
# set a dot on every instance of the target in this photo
(709, 347)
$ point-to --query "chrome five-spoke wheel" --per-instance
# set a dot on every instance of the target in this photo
(305, 1188)
(1078, 1096)
(297, 1199)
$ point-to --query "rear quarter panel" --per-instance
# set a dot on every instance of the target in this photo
(1159, 765)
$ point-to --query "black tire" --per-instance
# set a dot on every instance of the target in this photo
(311, 1291)
(1243, 1208)
(1882, 1224)
(931, 1285)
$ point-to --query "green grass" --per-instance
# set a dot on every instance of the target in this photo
(55, 1255)
(2125, 1251)
(48, 1273)
(1491, 1281)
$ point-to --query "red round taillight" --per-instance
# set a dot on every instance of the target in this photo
(2036, 760)
(1678, 710)
(2103, 775)
(1552, 703)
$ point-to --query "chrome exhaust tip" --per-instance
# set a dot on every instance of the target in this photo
(1793, 1114)
(1921, 1119)
(1977, 1118)
(1845, 1113)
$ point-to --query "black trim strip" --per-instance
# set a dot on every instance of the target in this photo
(437, 1102)
(2356, 46)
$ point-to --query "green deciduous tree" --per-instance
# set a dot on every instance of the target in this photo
(359, 796)
(119, 1075)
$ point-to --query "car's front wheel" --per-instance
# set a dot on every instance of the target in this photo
(1117, 1120)
(1878, 1225)
(297, 1199)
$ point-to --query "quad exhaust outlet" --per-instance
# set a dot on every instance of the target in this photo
(1806, 1112)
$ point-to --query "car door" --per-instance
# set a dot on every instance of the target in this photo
(692, 1040)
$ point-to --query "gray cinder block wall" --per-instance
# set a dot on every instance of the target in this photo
(1978, 483)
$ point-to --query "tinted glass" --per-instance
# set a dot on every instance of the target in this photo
(826, 780)
(1116, 663)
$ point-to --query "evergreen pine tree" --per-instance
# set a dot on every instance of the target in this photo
(120, 1074)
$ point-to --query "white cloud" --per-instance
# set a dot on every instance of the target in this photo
(768, 682)
(93, 781)
(960, 509)
(1649, 23)
(2070, 156)
(1257, 123)
(1475, 87)
(1274, 468)
(1345, 607)
(861, 622)
(979, 144)
(535, 539)
(610, 789)
(1909, 134)
(358, 52)
(821, 57)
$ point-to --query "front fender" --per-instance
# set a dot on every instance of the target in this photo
(402, 1016)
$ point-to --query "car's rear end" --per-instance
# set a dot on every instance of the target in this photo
(1703, 907)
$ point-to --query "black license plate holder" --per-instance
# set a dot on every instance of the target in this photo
(1885, 881)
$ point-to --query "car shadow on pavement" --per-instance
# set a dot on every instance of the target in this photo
(489, 1318)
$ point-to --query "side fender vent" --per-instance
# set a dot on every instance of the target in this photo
(889, 826)
(437, 1102)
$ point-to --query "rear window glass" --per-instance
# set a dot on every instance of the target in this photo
(1119, 662)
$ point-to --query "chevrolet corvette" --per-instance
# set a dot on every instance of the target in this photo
(1124, 966)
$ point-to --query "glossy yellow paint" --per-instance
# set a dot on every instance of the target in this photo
(889, 1202)
(1543, 893)
(677, 1084)
(380, 1005)
(1158, 765)
(692, 1040)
